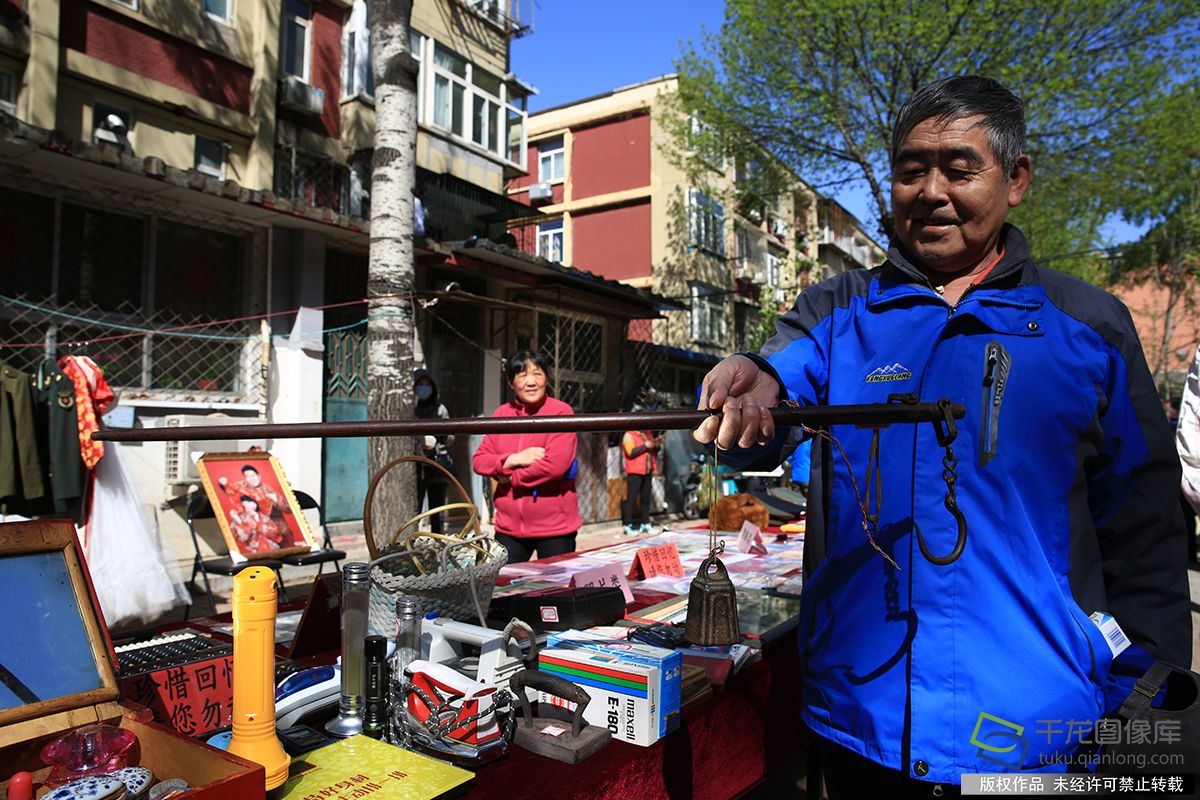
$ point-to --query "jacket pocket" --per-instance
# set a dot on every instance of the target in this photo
(997, 364)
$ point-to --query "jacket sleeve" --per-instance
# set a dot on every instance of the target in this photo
(1187, 434)
(797, 358)
(489, 459)
(560, 452)
(1133, 491)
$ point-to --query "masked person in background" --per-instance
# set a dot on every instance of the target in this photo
(432, 482)
(536, 507)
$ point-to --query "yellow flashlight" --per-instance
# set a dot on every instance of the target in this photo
(254, 674)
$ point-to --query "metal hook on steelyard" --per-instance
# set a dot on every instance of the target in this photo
(946, 431)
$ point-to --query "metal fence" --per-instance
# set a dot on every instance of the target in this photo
(157, 295)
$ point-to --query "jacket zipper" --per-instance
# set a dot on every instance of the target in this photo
(995, 381)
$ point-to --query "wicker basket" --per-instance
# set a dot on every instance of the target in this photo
(453, 575)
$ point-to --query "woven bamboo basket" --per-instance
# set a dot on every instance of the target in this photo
(453, 574)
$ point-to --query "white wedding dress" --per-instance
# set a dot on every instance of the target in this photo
(132, 579)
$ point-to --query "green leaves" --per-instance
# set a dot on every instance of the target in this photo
(1106, 84)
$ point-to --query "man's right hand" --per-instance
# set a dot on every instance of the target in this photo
(222, 481)
(744, 394)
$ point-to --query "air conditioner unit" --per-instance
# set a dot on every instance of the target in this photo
(779, 227)
(540, 191)
(179, 466)
(782, 296)
(299, 96)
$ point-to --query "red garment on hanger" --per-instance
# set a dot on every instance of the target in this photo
(92, 396)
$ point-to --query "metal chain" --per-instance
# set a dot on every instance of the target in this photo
(950, 476)
(501, 700)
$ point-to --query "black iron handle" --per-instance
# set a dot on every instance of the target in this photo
(550, 684)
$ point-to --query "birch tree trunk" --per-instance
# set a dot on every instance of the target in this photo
(390, 325)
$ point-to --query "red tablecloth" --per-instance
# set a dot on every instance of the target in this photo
(723, 747)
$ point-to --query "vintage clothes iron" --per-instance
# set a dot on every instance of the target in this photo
(451, 717)
(544, 735)
(712, 617)
(448, 642)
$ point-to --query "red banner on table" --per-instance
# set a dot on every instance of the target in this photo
(652, 561)
(193, 699)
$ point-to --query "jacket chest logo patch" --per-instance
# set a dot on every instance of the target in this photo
(894, 372)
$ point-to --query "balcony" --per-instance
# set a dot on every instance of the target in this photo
(847, 246)
(504, 14)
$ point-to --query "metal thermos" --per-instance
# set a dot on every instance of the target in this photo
(356, 590)
(407, 650)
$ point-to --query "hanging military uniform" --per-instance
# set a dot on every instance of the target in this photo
(20, 468)
(58, 435)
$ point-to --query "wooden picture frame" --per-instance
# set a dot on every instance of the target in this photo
(240, 486)
(58, 658)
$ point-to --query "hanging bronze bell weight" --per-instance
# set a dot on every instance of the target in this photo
(712, 616)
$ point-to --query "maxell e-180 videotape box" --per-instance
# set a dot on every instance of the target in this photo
(624, 695)
(669, 663)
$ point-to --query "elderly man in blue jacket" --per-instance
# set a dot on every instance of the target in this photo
(1072, 579)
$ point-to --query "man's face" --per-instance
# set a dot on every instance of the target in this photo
(950, 194)
(252, 477)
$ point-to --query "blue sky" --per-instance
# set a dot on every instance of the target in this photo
(579, 49)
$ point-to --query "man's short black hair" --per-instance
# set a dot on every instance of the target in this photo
(967, 96)
(521, 360)
(249, 467)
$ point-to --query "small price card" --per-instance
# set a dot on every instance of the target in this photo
(605, 575)
(750, 539)
(652, 561)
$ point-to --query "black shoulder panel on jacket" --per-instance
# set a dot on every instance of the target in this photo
(816, 303)
(1085, 302)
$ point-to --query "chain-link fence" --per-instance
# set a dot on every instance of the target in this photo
(157, 295)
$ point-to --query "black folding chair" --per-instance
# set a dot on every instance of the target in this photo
(327, 552)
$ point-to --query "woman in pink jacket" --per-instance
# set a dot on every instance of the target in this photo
(535, 500)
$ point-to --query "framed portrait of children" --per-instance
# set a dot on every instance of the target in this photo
(254, 505)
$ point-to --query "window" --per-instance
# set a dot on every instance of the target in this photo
(708, 315)
(706, 223)
(358, 78)
(315, 180)
(8, 91)
(449, 89)
(210, 157)
(551, 165)
(108, 271)
(705, 142)
(218, 9)
(297, 35)
(574, 351)
(775, 268)
(550, 241)
(468, 102)
(486, 121)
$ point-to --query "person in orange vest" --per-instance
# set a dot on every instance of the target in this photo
(640, 449)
